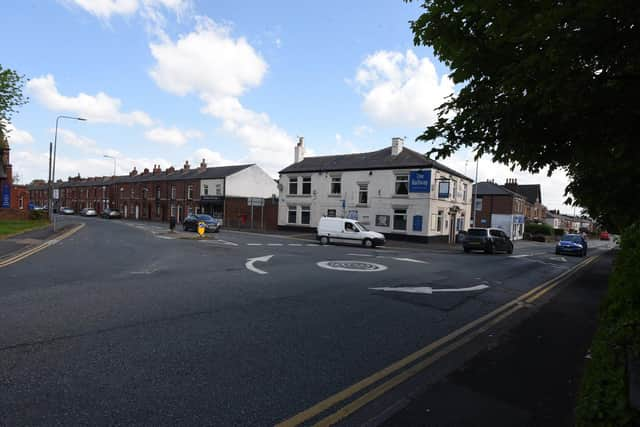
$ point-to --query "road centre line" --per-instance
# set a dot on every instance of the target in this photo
(439, 348)
(254, 244)
(274, 244)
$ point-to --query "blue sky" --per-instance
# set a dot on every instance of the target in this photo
(164, 81)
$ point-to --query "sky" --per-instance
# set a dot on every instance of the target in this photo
(166, 81)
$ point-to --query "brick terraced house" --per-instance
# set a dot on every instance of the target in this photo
(158, 194)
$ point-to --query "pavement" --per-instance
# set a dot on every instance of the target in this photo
(123, 323)
(23, 241)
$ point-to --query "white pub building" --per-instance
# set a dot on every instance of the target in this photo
(395, 191)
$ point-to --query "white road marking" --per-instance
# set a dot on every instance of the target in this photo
(226, 242)
(360, 255)
(558, 258)
(312, 244)
(254, 244)
(519, 256)
(166, 237)
(411, 260)
(274, 244)
(249, 264)
(428, 290)
(294, 244)
(355, 266)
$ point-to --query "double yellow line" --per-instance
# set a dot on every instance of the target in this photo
(405, 368)
(36, 249)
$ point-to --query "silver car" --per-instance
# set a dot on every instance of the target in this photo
(67, 211)
(89, 212)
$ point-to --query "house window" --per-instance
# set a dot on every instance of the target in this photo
(292, 215)
(157, 210)
(399, 219)
(439, 221)
(331, 213)
(306, 185)
(455, 190)
(157, 192)
(21, 202)
(293, 185)
(363, 194)
(205, 189)
(402, 184)
(190, 192)
(443, 190)
(336, 185)
(305, 215)
(464, 192)
(173, 193)
(218, 189)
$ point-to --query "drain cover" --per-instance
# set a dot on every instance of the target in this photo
(352, 266)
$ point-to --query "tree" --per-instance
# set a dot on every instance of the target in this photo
(11, 97)
(548, 83)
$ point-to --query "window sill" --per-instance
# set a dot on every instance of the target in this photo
(298, 195)
(400, 196)
(335, 195)
(360, 205)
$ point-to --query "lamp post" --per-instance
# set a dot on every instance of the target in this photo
(53, 166)
(114, 162)
(475, 196)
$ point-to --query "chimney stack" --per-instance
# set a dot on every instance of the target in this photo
(511, 184)
(134, 172)
(299, 150)
(397, 144)
(186, 166)
(203, 164)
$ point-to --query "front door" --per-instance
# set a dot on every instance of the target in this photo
(452, 228)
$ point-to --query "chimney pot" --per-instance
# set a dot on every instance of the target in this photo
(397, 144)
(299, 150)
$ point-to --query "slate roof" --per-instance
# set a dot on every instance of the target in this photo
(531, 192)
(487, 188)
(380, 159)
(178, 175)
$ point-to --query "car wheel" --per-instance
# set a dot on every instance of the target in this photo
(367, 243)
(510, 251)
(324, 240)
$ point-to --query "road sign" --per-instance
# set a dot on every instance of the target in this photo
(255, 201)
(420, 181)
(201, 228)
(56, 193)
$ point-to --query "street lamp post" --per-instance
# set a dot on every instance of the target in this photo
(475, 196)
(53, 167)
(114, 162)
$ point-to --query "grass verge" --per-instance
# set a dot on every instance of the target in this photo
(604, 394)
(8, 228)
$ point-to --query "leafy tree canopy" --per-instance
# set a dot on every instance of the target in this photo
(11, 84)
(547, 83)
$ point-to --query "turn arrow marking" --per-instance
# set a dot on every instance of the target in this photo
(429, 290)
(249, 264)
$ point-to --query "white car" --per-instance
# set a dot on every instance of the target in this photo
(343, 230)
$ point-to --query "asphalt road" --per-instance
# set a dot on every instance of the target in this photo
(122, 324)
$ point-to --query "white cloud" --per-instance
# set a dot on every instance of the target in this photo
(99, 108)
(104, 9)
(173, 135)
(213, 158)
(17, 136)
(362, 130)
(401, 89)
(209, 62)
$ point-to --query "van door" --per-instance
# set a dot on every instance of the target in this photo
(350, 233)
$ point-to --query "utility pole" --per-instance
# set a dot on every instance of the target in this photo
(475, 195)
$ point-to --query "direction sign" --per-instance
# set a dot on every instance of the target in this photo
(255, 201)
(56, 193)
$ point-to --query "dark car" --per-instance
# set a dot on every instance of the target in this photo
(489, 240)
(111, 214)
(572, 244)
(212, 225)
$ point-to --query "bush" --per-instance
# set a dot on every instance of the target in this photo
(558, 231)
(538, 238)
(604, 396)
(533, 228)
(38, 214)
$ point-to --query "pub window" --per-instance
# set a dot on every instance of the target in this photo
(443, 190)
(399, 219)
(292, 215)
(402, 184)
(336, 185)
(440, 219)
(363, 194)
(305, 215)
(293, 185)
(306, 185)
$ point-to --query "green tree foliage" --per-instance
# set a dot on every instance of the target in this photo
(547, 83)
(11, 97)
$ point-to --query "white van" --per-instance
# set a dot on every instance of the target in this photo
(347, 231)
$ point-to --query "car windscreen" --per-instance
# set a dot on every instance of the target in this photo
(477, 232)
(362, 227)
(572, 238)
(205, 218)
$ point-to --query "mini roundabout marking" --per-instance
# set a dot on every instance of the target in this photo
(356, 266)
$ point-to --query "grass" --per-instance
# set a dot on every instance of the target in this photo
(8, 228)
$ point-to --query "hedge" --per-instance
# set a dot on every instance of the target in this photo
(604, 398)
(534, 228)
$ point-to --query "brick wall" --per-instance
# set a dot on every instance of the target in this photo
(238, 214)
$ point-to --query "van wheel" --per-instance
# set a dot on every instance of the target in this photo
(367, 243)
(324, 240)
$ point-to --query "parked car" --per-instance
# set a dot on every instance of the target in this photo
(111, 214)
(67, 211)
(604, 235)
(212, 225)
(88, 212)
(572, 244)
(343, 230)
(489, 240)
